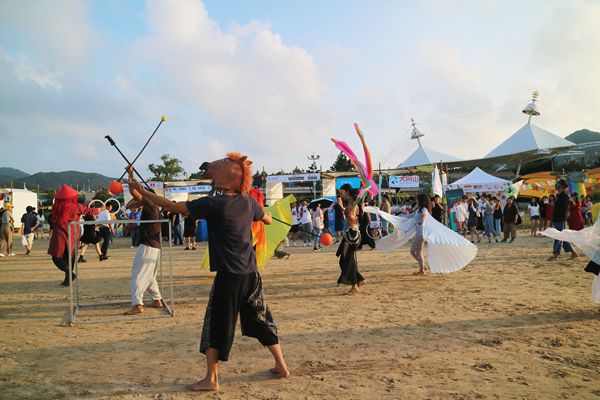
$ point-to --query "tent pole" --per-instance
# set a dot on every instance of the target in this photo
(518, 170)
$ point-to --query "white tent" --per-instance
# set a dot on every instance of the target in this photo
(425, 156)
(480, 181)
(530, 139)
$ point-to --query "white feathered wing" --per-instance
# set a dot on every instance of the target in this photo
(447, 250)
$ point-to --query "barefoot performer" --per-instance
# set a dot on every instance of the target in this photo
(147, 256)
(237, 288)
(352, 238)
(64, 210)
(350, 242)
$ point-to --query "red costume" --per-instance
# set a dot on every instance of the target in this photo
(575, 220)
(550, 212)
(65, 210)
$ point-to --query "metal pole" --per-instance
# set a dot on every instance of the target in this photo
(69, 226)
(171, 271)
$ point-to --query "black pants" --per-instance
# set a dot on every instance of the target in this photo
(234, 294)
(62, 263)
(105, 234)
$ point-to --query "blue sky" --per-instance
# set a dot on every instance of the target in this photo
(277, 79)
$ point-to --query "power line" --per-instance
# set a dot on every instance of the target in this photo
(570, 116)
(470, 114)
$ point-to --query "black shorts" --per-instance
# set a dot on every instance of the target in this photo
(234, 294)
(535, 217)
(294, 228)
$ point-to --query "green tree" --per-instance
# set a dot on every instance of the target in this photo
(342, 164)
(102, 194)
(169, 170)
(195, 176)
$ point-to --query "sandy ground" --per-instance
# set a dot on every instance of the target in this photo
(509, 326)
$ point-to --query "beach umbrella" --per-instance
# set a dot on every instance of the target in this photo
(323, 201)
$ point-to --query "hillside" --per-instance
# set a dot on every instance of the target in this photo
(584, 136)
(7, 174)
(53, 180)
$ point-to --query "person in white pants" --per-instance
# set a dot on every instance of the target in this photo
(147, 257)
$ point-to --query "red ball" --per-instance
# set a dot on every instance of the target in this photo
(115, 187)
(326, 239)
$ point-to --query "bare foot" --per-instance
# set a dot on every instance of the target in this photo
(422, 272)
(361, 283)
(352, 291)
(573, 256)
(203, 385)
(156, 304)
(138, 309)
(280, 371)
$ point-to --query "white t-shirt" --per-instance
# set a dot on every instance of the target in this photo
(534, 210)
(305, 217)
(295, 219)
(104, 216)
(317, 218)
(460, 212)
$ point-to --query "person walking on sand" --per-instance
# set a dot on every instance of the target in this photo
(105, 228)
(559, 219)
(416, 250)
(66, 209)
(534, 215)
(237, 287)
(488, 218)
(6, 231)
(472, 219)
(29, 223)
(189, 232)
(89, 237)
(575, 219)
(317, 224)
(147, 257)
(305, 223)
(350, 243)
(510, 216)
(338, 226)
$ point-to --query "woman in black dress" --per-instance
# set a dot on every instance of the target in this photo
(90, 236)
(472, 221)
(350, 243)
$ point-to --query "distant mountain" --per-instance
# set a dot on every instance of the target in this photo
(53, 180)
(7, 174)
(583, 136)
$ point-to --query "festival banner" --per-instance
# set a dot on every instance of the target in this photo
(293, 178)
(404, 181)
(188, 189)
(153, 185)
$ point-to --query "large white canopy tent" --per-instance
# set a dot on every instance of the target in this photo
(423, 155)
(529, 143)
(480, 181)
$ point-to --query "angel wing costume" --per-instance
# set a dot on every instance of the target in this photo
(447, 250)
(588, 240)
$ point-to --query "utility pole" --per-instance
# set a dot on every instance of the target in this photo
(313, 168)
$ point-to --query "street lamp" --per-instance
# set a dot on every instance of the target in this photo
(313, 168)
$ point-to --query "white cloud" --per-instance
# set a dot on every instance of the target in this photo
(261, 96)
(24, 70)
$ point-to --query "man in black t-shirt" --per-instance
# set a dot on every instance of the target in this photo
(559, 219)
(237, 288)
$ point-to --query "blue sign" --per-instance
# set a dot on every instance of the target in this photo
(355, 182)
